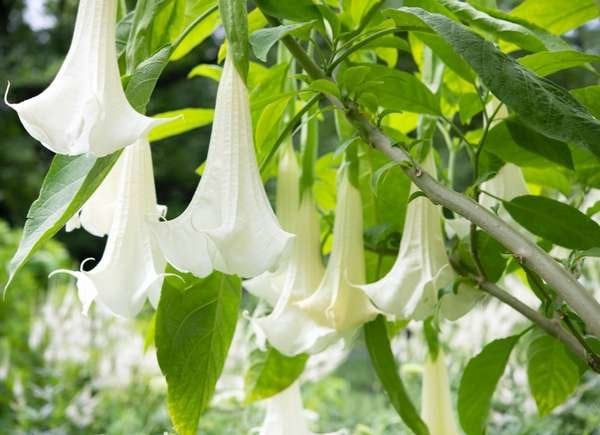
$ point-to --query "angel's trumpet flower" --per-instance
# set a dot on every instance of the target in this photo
(436, 404)
(297, 277)
(84, 110)
(338, 307)
(229, 225)
(507, 184)
(409, 290)
(132, 265)
(285, 414)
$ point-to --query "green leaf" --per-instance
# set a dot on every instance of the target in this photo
(554, 221)
(509, 31)
(589, 97)
(207, 70)
(262, 40)
(548, 62)
(296, 10)
(478, 383)
(155, 24)
(141, 84)
(553, 150)
(234, 15)
(491, 256)
(325, 86)
(187, 119)
(198, 34)
(382, 359)
(553, 374)
(543, 105)
(399, 91)
(270, 373)
(70, 181)
(195, 322)
(500, 143)
(445, 52)
(557, 16)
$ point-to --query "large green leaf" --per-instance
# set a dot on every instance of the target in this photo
(70, 181)
(296, 10)
(553, 150)
(507, 30)
(142, 81)
(155, 23)
(543, 105)
(262, 40)
(271, 372)
(398, 91)
(195, 322)
(554, 221)
(478, 383)
(234, 15)
(185, 120)
(589, 97)
(558, 16)
(553, 374)
(548, 62)
(382, 359)
(198, 34)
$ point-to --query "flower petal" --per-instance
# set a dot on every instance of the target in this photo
(131, 268)
(436, 403)
(229, 224)
(84, 109)
(410, 288)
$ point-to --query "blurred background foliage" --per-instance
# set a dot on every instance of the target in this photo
(58, 376)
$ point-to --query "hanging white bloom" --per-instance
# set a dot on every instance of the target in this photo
(299, 276)
(338, 307)
(132, 265)
(96, 215)
(436, 403)
(229, 225)
(507, 184)
(409, 290)
(84, 110)
(285, 414)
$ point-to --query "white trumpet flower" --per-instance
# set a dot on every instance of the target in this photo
(297, 277)
(409, 290)
(84, 110)
(132, 266)
(96, 215)
(285, 414)
(338, 307)
(507, 184)
(436, 403)
(229, 225)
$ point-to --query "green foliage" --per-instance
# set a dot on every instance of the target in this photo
(186, 120)
(262, 40)
(271, 372)
(555, 15)
(195, 322)
(542, 104)
(549, 62)
(383, 362)
(68, 184)
(478, 383)
(554, 221)
(553, 374)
